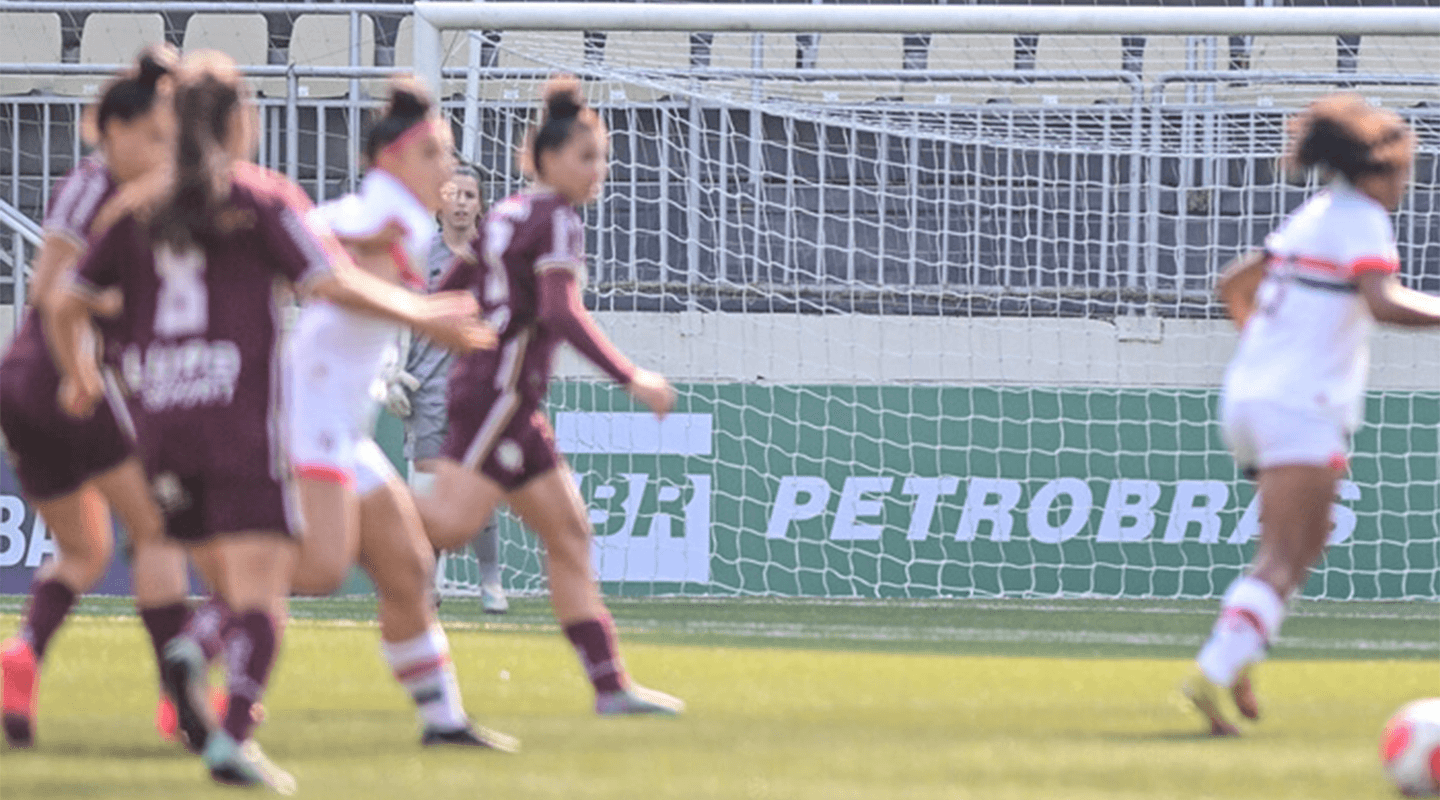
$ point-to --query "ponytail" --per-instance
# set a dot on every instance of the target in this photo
(564, 111)
(207, 93)
(408, 106)
(1344, 133)
(133, 93)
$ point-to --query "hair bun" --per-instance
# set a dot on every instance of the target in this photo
(408, 100)
(154, 63)
(562, 98)
(1330, 141)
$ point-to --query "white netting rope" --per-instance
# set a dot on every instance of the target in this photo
(946, 349)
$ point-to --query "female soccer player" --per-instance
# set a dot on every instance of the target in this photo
(417, 393)
(198, 254)
(1294, 392)
(352, 498)
(73, 471)
(525, 268)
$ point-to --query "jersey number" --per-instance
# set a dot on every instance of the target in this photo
(498, 232)
(182, 306)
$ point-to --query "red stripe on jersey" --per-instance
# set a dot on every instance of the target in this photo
(324, 472)
(408, 275)
(1384, 266)
(1321, 264)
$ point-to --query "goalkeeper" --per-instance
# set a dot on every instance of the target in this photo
(416, 392)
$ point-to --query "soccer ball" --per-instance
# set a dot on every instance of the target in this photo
(1410, 748)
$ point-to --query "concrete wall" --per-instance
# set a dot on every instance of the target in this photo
(1131, 352)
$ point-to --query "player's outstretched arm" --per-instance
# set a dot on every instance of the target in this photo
(1391, 301)
(562, 310)
(450, 318)
(1238, 283)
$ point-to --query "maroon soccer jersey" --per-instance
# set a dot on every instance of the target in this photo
(521, 237)
(74, 203)
(199, 335)
(522, 268)
(53, 454)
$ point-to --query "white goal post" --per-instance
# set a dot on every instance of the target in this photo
(942, 320)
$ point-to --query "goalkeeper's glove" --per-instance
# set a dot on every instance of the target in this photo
(398, 387)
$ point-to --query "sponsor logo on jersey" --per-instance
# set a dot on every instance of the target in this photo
(189, 374)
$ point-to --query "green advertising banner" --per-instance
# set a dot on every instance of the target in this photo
(929, 491)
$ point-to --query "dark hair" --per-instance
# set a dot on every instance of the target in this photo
(1348, 135)
(463, 170)
(409, 104)
(133, 92)
(564, 110)
(208, 89)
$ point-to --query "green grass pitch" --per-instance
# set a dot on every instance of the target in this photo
(1000, 700)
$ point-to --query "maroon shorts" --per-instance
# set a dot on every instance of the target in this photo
(53, 453)
(199, 507)
(507, 439)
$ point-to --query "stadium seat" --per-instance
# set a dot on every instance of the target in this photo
(736, 51)
(111, 38)
(243, 37)
(30, 39)
(1167, 54)
(966, 51)
(1399, 55)
(323, 40)
(524, 50)
(1309, 55)
(837, 51)
(453, 44)
(1080, 53)
(640, 50)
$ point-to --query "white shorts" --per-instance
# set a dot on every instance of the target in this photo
(326, 419)
(1262, 434)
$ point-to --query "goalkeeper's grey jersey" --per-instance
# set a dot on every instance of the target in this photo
(427, 361)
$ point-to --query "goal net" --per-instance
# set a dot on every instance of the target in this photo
(937, 299)
(940, 307)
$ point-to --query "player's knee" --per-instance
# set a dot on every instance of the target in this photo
(447, 528)
(320, 576)
(87, 562)
(406, 582)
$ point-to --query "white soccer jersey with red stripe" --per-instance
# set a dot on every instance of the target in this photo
(1307, 345)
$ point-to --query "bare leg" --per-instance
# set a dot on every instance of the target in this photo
(332, 535)
(551, 506)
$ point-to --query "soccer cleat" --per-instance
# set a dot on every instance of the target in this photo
(167, 722)
(637, 700)
(183, 674)
(244, 765)
(20, 674)
(1205, 697)
(1243, 694)
(492, 599)
(471, 736)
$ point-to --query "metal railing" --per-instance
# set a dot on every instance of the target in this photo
(894, 205)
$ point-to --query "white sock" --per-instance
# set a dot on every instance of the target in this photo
(422, 665)
(1250, 616)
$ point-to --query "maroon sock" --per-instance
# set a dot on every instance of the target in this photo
(594, 642)
(50, 601)
(164, 623)
(208, 625)
(250, 643)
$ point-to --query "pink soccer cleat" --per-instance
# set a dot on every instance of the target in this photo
(20, 674)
